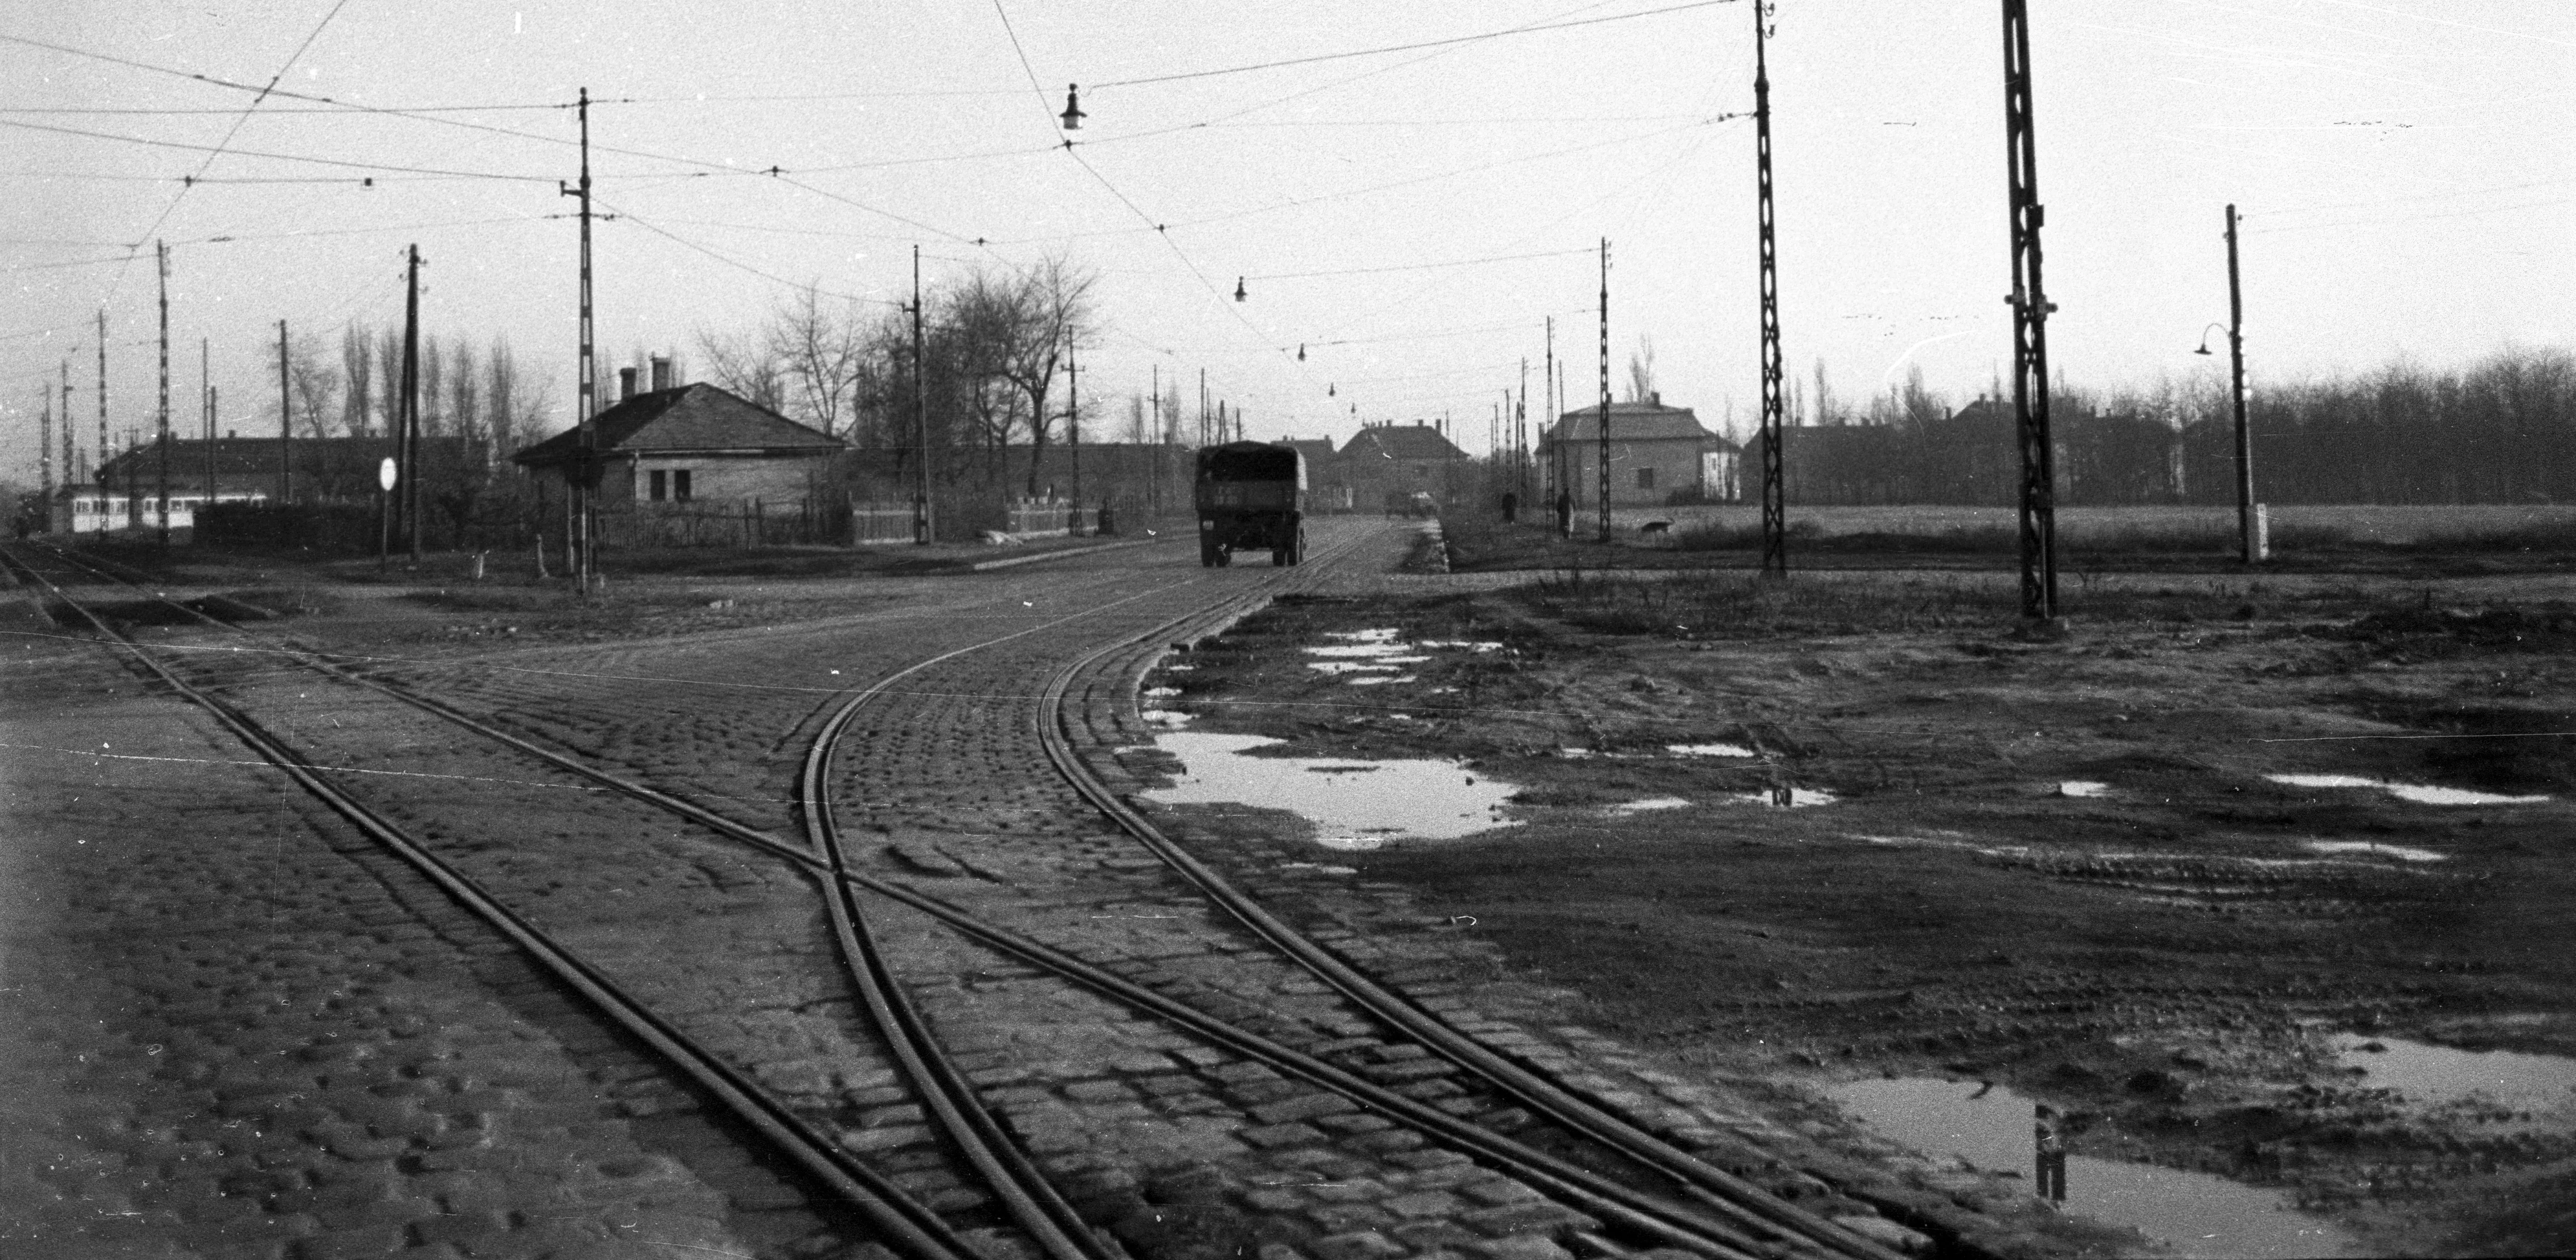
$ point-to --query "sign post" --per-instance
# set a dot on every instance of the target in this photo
(384, 511)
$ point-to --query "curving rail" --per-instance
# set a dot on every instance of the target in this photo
(1722, 1216)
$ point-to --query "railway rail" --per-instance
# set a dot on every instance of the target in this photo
(1692, 1205)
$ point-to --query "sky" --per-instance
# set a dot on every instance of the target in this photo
(1406, 192)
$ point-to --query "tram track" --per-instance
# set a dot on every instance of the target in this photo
(905, 1223)
(1701, 1209)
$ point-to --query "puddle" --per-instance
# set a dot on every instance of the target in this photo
(1319, 868)
(1354, 805)
(2398, 851)
(2420, 794)
(2194, 1213)
(1787, 798)
(2083, 788)
(1470, 645)
(1347, 667)
(1574, 754)
(1650, 803)
(1369, 651)
(1157, 693)
(1180, 669)
(1379, 634)
(1709, 750)
(1375, 680)
(1164, 717)
(2538, 1090)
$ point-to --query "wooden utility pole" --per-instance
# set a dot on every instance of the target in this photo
(206, 405)
(1775, 496)
(71, 450)
(1603, 481)
(162, 252)
(920, 419)
(2249, 539)
(2031, 309)
(45, 442)
(285, 421)
(1073, 424)
(1555, 448)
(408, 453)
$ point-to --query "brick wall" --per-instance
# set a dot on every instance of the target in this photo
(772, 480)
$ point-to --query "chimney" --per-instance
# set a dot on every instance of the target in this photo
(1654, 398)
(625, 384)
(661, 372)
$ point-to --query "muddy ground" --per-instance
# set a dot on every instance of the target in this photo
(2168, 961)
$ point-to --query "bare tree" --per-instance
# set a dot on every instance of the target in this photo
(433, 416)
(465, 398)
(389, 363)
(1136, 430)
(314, 382)
(357, 371)
(1641, 371)
(1053, 315)
(821, 353)
(743, 365)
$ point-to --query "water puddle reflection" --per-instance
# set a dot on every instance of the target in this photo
(1709, 750)
(2420, 794)
(2196, 1214)
(2083, 788)
(1787, 797)
(2398, 851)
(2498, 1086)
(1355, 805)
(1650, 804)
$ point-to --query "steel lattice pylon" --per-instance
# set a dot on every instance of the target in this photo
(1775, 498)
(2031, 309)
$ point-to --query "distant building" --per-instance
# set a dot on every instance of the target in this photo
(127, 492)
(690, 443)
(1398, 460)
(1326, 489)
(1658, 455)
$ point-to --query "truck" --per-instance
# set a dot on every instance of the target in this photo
(1251, 496)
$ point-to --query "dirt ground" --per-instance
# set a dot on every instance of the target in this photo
(2165, 957)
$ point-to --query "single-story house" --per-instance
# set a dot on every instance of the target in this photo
(690, 443)
(1658, 455)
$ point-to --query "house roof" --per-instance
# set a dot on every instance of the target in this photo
(1633, 421)
(1316, 450)
(1401, 441)
(688, 420)
(257, 457)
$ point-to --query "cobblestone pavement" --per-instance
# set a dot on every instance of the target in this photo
(346, 1066)
(236, 1030)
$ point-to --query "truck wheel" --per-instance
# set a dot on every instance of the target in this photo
(1208, 554)
(1297, 550)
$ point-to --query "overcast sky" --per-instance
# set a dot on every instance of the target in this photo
(2405, 168)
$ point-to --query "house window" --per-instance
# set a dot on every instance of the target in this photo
(1645, 478)
(660, 490)
(680, 485)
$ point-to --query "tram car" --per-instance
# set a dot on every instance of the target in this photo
(1251, 496)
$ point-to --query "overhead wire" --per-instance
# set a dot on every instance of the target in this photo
(1285, 62)
(244, 119)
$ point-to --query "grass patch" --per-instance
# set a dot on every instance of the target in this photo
(1738, 605)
